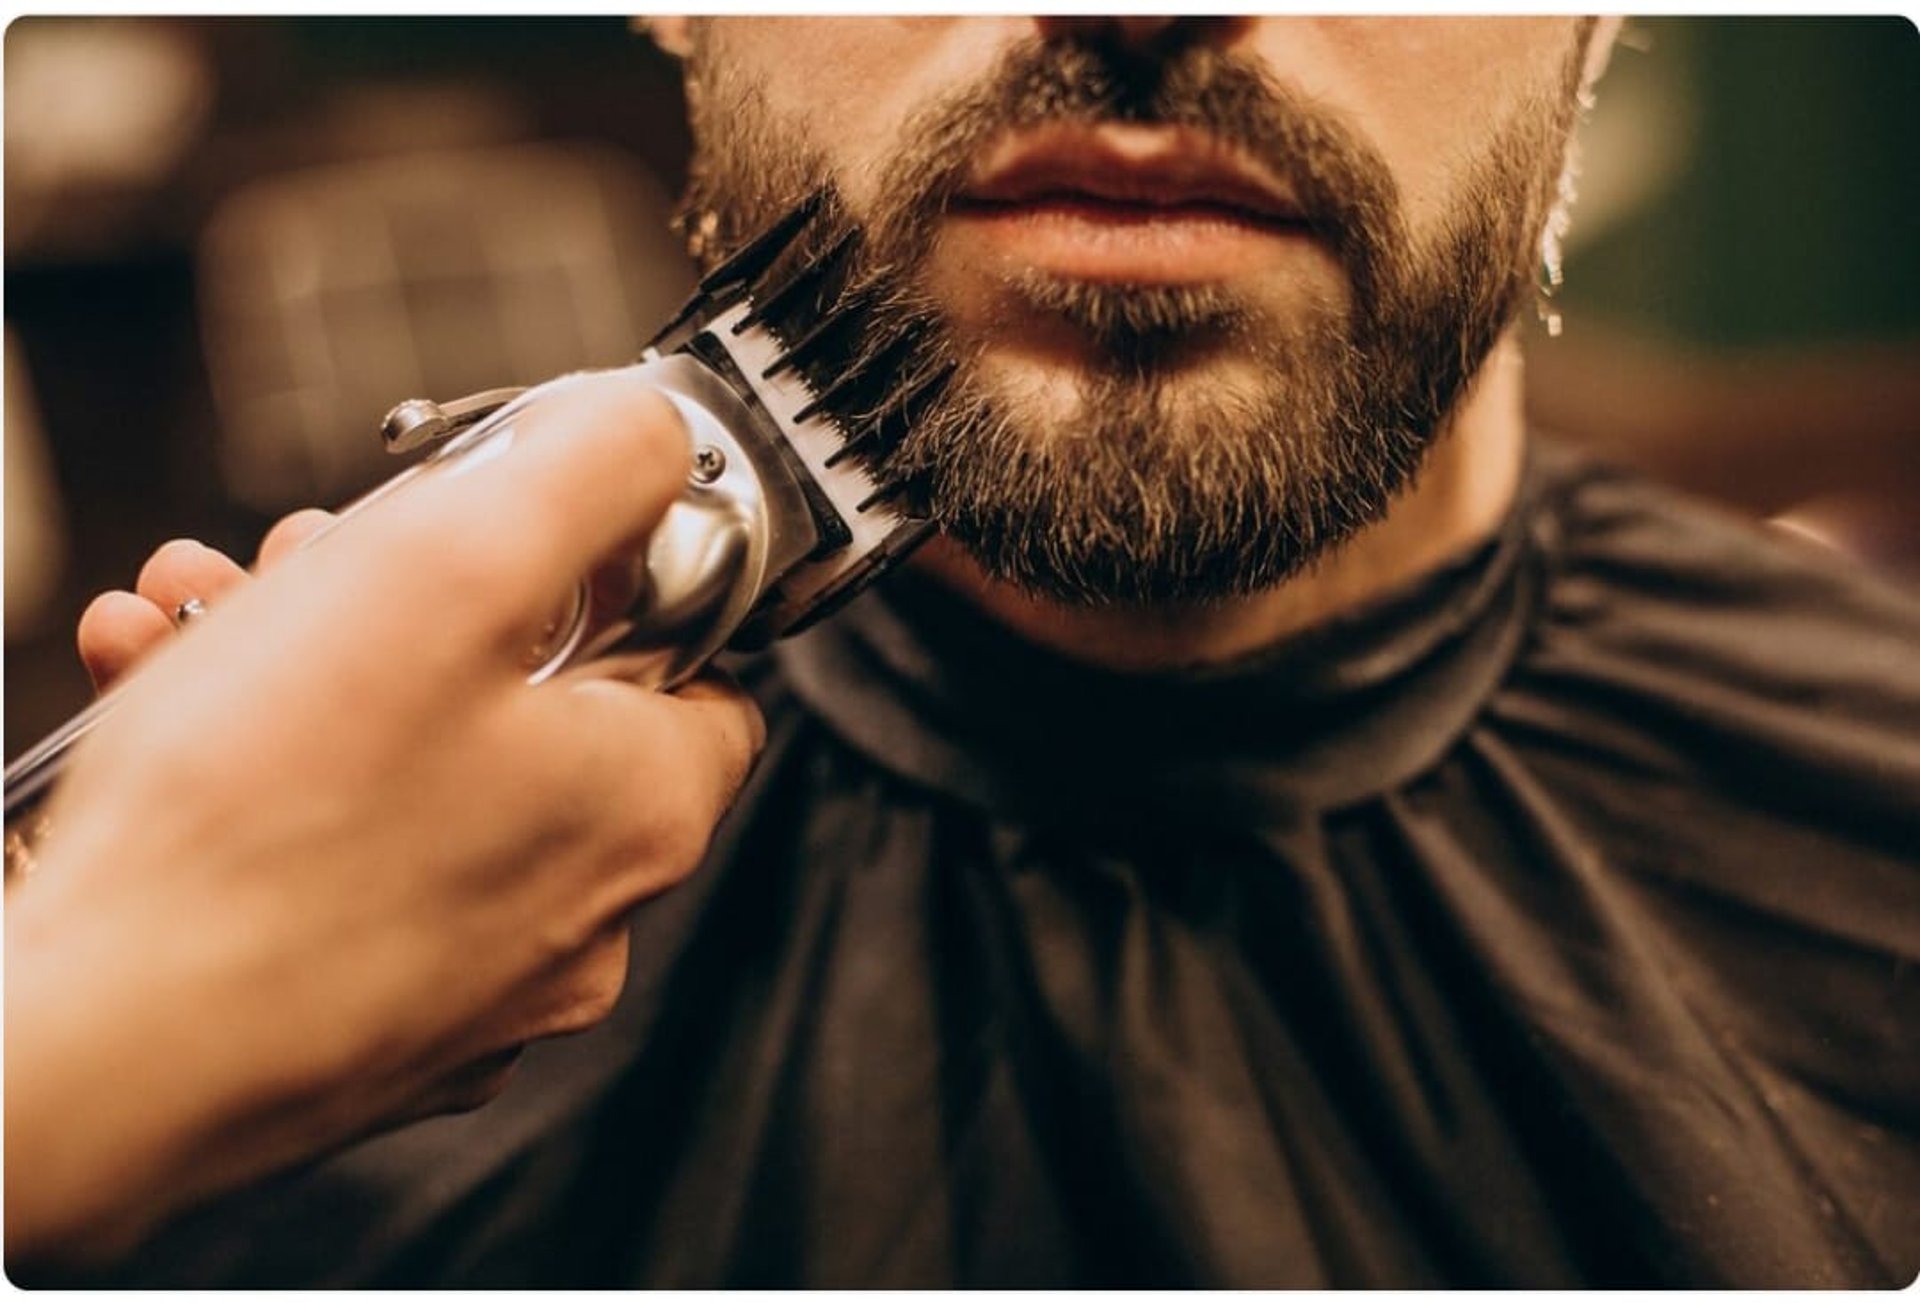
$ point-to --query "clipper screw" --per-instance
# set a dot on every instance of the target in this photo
(708, 464)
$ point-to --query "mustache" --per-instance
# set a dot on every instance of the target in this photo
(1343, 186)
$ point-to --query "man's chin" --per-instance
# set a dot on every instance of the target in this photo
(1066, 385)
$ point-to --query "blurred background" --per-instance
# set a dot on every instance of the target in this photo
(233, 244)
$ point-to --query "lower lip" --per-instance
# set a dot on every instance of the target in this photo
(1137, 244)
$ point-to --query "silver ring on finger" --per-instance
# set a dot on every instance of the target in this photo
(189, 611)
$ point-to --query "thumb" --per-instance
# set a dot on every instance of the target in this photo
(492, 539)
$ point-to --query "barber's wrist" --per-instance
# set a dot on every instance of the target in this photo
(107, 1091)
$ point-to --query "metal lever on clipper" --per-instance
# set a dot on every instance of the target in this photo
(420, 421)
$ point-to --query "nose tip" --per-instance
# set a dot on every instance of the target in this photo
(1142, 35)
(1138, 33)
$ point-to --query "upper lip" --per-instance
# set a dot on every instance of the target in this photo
(1158, 167)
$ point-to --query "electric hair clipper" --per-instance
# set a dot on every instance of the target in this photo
(785, 367)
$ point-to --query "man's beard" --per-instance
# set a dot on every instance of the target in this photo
(1161, 487)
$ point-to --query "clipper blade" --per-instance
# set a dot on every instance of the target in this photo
(842, 367)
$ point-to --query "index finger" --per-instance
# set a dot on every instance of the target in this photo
(587, 467)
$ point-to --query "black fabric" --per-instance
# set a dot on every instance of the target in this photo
(1553, 922)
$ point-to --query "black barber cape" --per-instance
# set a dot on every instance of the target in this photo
(1552, 922)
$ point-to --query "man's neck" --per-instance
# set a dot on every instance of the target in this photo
(1457, 502)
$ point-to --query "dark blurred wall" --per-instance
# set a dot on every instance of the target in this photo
(1795, 217)
(1747, 324)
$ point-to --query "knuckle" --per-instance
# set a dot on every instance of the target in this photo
(682, 798)
(114, 630)
(167, 560)
(292, 529)
(679, 847)
(731, 749)
(591, 998)
(600, 1000)
(744, 736)
(98, 609)
(721, 734)
(685, 803)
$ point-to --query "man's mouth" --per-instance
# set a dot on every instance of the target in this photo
(1127, 204)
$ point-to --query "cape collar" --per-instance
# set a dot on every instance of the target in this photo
(943, 695)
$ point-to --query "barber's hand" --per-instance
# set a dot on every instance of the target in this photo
(332, 860)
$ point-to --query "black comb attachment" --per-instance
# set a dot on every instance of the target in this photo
(861, 345)
(874, 367)
(807, 287)
(752, 259)
(873, 434)
(838, 393)
(736, 277)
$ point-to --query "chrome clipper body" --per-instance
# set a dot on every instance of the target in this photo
(782, 370)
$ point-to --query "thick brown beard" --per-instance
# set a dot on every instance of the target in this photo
(1165, 489)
